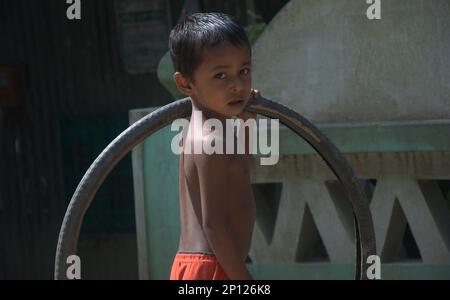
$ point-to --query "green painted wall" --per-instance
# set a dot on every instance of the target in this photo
(161, 200)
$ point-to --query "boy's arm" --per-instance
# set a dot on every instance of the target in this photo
(223, 179)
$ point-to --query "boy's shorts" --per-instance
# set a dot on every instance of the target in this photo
(196, 266)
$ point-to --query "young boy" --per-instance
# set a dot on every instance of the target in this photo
(211, 54)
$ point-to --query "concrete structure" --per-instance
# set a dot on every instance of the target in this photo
(334, 65)
(380, 89)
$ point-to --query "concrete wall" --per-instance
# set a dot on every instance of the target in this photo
(326, 60)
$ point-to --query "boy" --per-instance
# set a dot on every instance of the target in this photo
(211, 54)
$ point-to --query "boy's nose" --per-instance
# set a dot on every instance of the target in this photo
(238, 85)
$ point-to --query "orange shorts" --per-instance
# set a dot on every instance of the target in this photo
(196, 266)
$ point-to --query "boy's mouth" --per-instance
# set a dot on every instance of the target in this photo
(236, 102)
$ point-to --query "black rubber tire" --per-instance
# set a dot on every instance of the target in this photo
(136, 133)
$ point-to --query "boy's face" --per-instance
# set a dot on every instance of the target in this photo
(222, 82)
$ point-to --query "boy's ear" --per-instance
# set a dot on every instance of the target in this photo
(182, 83)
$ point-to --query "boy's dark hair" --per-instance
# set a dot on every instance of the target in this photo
(198, 31)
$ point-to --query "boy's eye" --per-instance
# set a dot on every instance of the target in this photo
(245, 71)
(221, 76)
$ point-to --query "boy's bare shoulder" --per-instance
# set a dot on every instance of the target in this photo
(210, 164)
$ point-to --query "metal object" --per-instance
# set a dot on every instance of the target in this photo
(136, 133)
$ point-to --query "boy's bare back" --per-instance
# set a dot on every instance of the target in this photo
(217, 210)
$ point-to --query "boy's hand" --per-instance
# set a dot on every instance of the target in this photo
(255, 93)
(245, 115)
